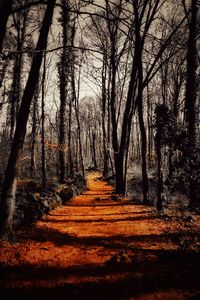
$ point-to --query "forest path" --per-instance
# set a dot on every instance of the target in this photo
(99, 248)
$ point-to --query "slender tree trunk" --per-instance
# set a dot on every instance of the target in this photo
(149, 121)
(129, 107)
(94, 149)
(104, 102)
(7, 204)
(143, 152)
(17, 72)
(139, 103)
(190, 105)
(125, 134)
(159, 173)
(70, 157)
(71, 100)
(76, 102)
(108, 124)
(34, 129)
(43, 156)
(20, 43)
(115, 144)
(63, 69)
(113, 69)
(62, 125)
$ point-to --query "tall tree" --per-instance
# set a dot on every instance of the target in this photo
(190, 104)
(113, 16)
(34, 131)
(20, 23)
(77, 113)
(7, 204)
(144, 14)
(71, 99)
(43, 156)
(63, 68)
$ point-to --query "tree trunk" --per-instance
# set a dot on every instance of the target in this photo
(159, 173)
(143, 153)
(115, 144)
(104, 102)
(5, 10)
(190, 102)
(94, 149)
(34, 129)
(7, 203)
(43, 156)
(70, 157)
(62, 125)
(126, 131)
(76, 103)
(71, 100)
(150, 135)
(119, 168)
(16, 84)
(177, 87)
(63, 76)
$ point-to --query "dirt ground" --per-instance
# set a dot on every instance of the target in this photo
(102, 247)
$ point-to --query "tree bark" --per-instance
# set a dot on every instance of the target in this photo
(63, 70)
(17, 72)
(77, 112)
(190, 103)
(145, 184)
(43, 156)
(159, 172)
(94, 149)
(71, 100)
(104, 102)
(34, 130)
(5, 10)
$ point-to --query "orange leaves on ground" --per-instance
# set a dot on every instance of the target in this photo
(97, 240)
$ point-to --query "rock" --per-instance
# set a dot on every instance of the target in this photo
(110, 179)
(67, 193)
(54, 201)
(30, 207)
(33, 202)
(80, 183)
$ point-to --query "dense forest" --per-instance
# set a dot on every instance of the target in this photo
(106, 86)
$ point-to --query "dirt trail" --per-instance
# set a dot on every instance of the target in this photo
(98, 247)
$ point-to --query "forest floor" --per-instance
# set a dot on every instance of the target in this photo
(102, 247)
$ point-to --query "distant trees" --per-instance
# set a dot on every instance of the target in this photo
(140, 59)
(157, 48)
(135, 37)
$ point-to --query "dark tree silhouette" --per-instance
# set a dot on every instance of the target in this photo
(190, 105)
(7, 204)
(5, 10)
